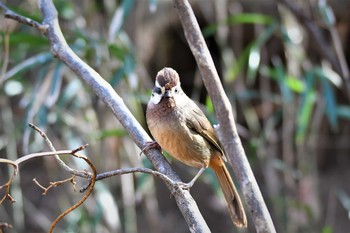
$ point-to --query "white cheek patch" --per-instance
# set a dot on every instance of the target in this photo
(155, 98)
(178, 86)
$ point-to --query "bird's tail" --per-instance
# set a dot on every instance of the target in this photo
(233, 200)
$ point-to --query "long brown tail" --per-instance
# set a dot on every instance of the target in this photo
(234, 203)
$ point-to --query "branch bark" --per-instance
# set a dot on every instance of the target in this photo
(227, 132)
(60, 49)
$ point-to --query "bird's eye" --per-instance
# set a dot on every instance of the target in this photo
(176, 90)
(157, 90)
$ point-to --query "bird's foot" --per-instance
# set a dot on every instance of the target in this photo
(187, 186)
(150, 145)
(182, 186)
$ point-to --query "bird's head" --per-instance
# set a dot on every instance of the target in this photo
(167, 86)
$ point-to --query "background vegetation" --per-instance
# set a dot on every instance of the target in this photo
(286, 75)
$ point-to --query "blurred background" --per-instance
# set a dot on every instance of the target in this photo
(283, 64)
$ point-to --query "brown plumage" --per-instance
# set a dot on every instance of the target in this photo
(181, 128)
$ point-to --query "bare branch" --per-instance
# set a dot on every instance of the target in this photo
(56, 183)
(42, 154)
(7, 185)
(87, 194)
(25, 158)
(124, 171)
(12, 15)
(52, 184)
(60, 161)
(227, 133)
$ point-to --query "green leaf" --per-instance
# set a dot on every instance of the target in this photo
(306, 106)
(238, 66)
(26, 38)
(327, 14)
(304, 115)
(291, 82)
(295, 84)
(254, 56)
(331, 104)
(327, 229)
(251, 54)
(118, 52)
(209, 105)
(111, 133)
(253, 18)
(243, 18)
(282, 81)
(343, 111)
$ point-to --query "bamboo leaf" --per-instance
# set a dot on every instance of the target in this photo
(243, 18)
(306, 107)
(343, 111)
(110, 133)
(331, 104)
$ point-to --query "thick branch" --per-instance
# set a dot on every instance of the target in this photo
(227, 132)
(106, 93)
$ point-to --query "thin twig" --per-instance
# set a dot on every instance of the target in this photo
(25, 20)
(7, 185)
(71, 179)
(55, 184)
(16, 163)
(123, 171)
(60, 161)
(87, 194)
(41, 154)
(25, 158)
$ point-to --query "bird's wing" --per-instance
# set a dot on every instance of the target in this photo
(199, 123)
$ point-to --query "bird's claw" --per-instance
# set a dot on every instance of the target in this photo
(150, 145)
(182, 186)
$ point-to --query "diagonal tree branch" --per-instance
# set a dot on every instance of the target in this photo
(106, 93)
(227, 132)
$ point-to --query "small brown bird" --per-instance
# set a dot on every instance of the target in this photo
(181, 128)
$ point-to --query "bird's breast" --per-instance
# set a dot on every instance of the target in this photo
(169, 129)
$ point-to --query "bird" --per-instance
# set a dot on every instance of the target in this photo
(181, 128)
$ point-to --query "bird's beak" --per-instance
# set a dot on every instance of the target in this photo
(168, 93)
